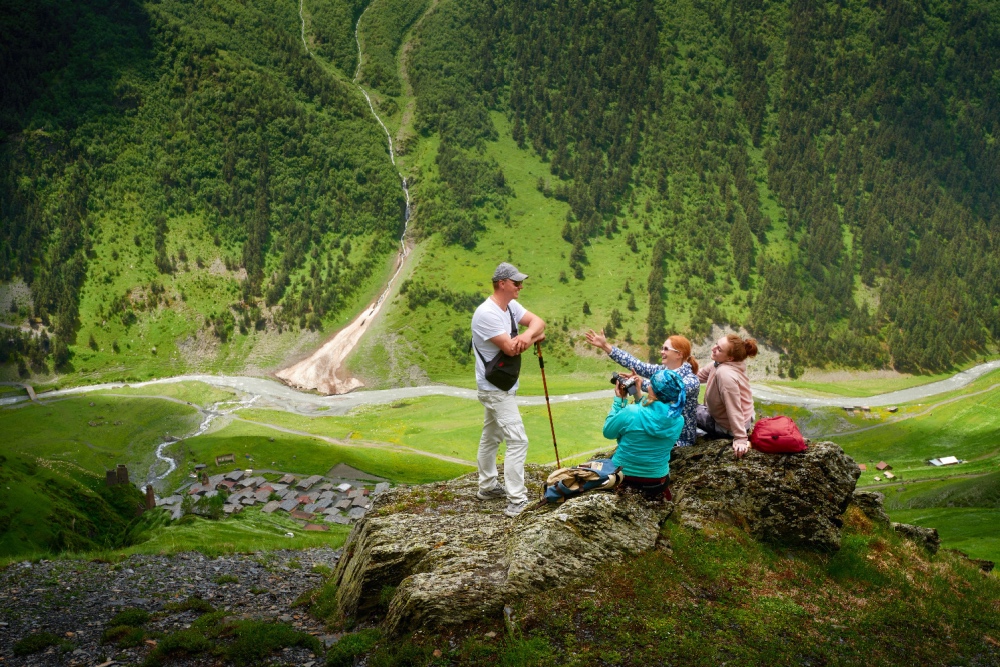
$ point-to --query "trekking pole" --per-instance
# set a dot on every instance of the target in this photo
(545, 386)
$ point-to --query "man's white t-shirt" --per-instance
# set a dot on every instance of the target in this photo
(490, 321)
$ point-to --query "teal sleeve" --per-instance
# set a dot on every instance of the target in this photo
(618, 419)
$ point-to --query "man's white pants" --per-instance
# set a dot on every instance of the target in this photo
(502, 421)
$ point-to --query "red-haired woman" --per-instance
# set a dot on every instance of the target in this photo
(728, 408)
(676, 356)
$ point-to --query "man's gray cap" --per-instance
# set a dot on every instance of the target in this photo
(507, 271)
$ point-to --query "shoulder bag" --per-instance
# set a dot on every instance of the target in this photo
(502, 370)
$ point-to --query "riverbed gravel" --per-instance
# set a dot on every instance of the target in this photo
(75, 599)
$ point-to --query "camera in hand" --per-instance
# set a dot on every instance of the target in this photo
(628, 383)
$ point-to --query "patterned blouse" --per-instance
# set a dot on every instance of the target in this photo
(692, 386)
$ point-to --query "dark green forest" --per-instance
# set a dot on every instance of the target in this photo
(125, 124)
(834, 163)
(826, 174)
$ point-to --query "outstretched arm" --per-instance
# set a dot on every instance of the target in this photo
(598, 339)
(623, 358)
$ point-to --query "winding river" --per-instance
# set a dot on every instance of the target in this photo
(209, 415)
(285, 398)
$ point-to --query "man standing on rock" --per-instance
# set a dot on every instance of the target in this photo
(494, 335)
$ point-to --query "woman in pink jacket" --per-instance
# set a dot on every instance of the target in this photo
(728, 408)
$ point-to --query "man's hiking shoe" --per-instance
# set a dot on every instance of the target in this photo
(496, 493)
(514, 509)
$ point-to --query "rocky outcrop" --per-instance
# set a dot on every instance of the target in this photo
(794, 499)
(925, 537)
(871, 504)
(435, 555)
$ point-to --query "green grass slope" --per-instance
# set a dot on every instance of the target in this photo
(966, 511)
(300, 454)
(50, 507)
(960, 501)
(966, 428)
(980, 491)
(971, 530)
(715, 597)
(249, 531)
(96, 433)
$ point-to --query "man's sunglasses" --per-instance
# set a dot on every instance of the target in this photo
(517, 283)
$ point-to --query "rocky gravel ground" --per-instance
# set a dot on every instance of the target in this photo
(75, 599)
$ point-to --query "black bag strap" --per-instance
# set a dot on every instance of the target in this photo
(513, 334)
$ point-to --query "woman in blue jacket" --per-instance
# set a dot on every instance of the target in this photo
(676, 356)
(646, 433)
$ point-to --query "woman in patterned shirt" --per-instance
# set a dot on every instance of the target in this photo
(676, 356)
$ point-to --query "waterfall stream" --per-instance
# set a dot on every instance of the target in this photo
(388, 136)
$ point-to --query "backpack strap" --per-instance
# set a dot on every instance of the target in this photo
(513, 334)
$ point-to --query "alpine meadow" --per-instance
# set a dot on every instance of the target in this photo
(241, 244)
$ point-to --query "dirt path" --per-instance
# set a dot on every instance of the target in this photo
(285, 398)
(928, 410)
(324, 370)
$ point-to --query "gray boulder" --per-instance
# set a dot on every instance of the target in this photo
(794, 499)
(871, 504)
(438, 556)
(434, 555)
(926, 537)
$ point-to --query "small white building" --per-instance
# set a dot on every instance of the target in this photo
(945, 461)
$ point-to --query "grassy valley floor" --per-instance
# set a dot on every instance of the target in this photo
(434, 438)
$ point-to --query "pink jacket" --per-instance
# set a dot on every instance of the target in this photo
(728, 396)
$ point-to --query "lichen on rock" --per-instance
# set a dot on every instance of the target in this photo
(442, 557)
(452, 558)
(793, 499)
(926, 537)
(872, 505)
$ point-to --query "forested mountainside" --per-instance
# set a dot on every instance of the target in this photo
(152, 152)
(825, 173)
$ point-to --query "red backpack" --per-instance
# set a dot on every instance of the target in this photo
(777, 435)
